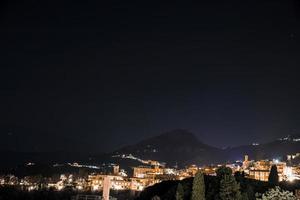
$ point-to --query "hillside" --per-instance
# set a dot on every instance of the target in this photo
(178, 146)
(274, 149)
(184, 148)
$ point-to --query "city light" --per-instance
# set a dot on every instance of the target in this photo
(152, 172)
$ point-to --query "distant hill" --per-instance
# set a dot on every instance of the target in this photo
(10, 159)
(184, 148)
(178, 146)
(275, 149)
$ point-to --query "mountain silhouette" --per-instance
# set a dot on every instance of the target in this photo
(174, 147)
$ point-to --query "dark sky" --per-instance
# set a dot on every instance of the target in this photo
(95, 75)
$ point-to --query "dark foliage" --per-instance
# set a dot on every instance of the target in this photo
(13, 193)
(273, 177)
(248, 187)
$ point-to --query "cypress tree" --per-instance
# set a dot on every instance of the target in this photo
(250, 192)
(273, 176)
(222, 171)
(198, 192)
(229, 188)
(179, 192)
(244, 196)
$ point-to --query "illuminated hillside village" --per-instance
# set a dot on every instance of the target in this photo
(147, 174)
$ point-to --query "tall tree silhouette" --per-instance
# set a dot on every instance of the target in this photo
(198, 192)
(273, 176)
(229, 188)
(179, 192)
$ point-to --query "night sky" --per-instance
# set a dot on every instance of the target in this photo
(100, 75)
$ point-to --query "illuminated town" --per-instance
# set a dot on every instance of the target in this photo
(148, 174)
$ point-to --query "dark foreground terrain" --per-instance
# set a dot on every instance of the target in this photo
(248, 187)
(165, 190)
(13, 193)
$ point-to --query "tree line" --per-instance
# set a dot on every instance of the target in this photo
(224, 186)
